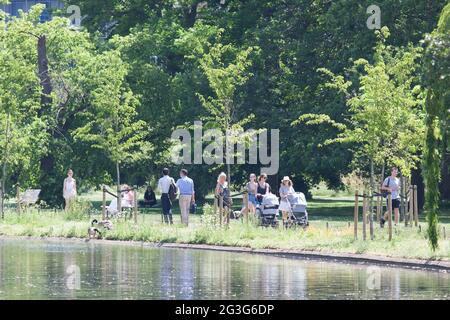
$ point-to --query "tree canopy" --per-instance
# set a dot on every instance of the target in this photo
(152, 66)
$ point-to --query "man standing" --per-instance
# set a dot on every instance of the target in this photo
(392, 185)
(187, 195)
(163, 186)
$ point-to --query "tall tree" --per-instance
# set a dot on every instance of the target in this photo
(386, 122)
(224, 78)
(111, 125)
(436, 78)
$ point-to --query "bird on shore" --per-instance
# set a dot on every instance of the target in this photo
(108, 225)
(94, 233)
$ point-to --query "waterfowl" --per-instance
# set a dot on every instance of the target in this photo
(94, 233)
(105, 224)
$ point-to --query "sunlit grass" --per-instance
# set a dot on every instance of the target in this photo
(336, 238)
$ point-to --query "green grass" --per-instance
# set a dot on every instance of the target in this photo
(337, 238)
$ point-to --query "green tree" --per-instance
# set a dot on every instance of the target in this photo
(436, 79)
(111, 125)
(224, 78)
(386, 117)
(23, 138)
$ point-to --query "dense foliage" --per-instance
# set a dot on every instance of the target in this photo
(437, 79)
(152, 63)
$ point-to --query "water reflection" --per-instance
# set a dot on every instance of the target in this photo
(38, 270)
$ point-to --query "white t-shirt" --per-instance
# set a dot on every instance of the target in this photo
(164, 184)
(394, 184)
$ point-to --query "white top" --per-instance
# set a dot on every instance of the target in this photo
(394, 184)
(285, 191)
(164, 184)
(69, 188)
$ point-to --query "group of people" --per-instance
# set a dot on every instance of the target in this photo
(184, 188)
(257, 188)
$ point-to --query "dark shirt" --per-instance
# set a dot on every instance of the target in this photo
(149, 196)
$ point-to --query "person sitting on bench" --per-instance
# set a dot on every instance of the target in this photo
(149, 198)
(127, 197)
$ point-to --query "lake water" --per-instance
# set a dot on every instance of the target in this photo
(32, 269)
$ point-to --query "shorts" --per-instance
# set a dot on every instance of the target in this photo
(395, 204)
(252, 198)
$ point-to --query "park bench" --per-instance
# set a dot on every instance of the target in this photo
(29, 197)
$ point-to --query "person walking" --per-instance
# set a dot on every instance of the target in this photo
(164, 184)
(187, 195)
(69, 189)
(392, 185)
(262, 189)
(286, 189)
(252, 188)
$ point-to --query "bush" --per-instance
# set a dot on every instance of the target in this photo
(208, 218)
(79, 210)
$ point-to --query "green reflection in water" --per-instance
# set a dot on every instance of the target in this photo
(38, 270)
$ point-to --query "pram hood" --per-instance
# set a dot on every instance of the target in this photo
(297, 199)
(270, 200)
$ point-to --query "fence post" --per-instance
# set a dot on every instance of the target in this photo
(227, 213)
(390, 216)
(216, 204)
(364, 212)
(246, 208)
(220, 210)
(18, 199)
(411, 205)
(379, 205)
(355, 215)
(104, 203)
(119, 200)
(2, 207)
(403, 200)
(135, 205)
(416, 207)
(371, 216)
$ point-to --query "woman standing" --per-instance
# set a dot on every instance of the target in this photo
(286, 189)
(69, 189)
(223, 191)
(263, 188)
(252, 188)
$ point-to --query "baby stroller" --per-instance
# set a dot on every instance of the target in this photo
(298, 215)
(267, 212)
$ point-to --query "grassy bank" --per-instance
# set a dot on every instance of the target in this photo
(337, 238)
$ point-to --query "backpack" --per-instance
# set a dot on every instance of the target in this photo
(173, 191)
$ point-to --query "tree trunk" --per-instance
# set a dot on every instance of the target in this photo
(229, 175)
(432, 166)
(4, 167)
(44, 74)
(372, 190)
(119, 193)
(48, 182)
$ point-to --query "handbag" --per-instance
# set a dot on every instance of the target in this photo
(193, 208)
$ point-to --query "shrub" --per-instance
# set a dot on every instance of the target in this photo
(78, 210)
